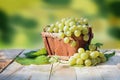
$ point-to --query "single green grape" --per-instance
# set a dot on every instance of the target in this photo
(94, 54)
(66, 28)
(61, 35)
(101, 55)
(79, 27)
(84, 26)
(55, 29)
(86, 37)
(79, 61)
(66, 40)
(94, 62)
(57, 23)
(77, 33)
(76, 55)
(71, 23)
(92, 47)
(61, 26)
(103, 59)
(68, 33)
(72, 61)
(71, 29)
(81, 50)
(49, 29)
(85, 30)
(60, 31)
(88, 62)
(73, 43)
(85, 21)
(98, 60)
(84, 56)
(67, 23)
(52, 26)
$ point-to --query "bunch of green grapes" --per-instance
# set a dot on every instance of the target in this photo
(87, 57)
(68, 27)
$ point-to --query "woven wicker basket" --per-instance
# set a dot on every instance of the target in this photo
(56, 46)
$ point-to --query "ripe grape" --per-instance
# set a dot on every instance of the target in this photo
(84, 56)
(98, 60)
(101, 55)
(66, 40)
(77, 33)
(79, 27)
(94, 54)
(66, 28)
(76, 55)
(85, 30)
(71, 23)
(55, 29)
(79, 61)
(61, 26)
(57, 23)
(81, 50)
(72, 61)
(49, 29)
(86, 37)
(92, 47)
(85, 21)
(66, 23)
(52, 26)
(103, 59)
(61, 35)
(88, 62)
(73, 43)
(68, 33)
(72, 29)
(94, 62)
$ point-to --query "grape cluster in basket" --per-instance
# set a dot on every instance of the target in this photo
(68, 27)
(87, 58)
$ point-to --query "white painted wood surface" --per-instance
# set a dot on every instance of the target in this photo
(7, 56)
(109, 70)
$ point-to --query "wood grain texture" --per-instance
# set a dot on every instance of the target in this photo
(7, 57)
(63, 72)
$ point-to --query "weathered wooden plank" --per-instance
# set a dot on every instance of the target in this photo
(109, 72)
(17, 71)
(63, 72)
(7, 57)
(87, 73)
(40, 72)
(10, 53)
(10, 70)
(36, 72)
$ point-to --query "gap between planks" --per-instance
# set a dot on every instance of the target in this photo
(12, 55)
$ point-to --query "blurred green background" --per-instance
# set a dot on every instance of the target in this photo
(21, 21)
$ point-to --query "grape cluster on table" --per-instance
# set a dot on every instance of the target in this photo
(84, 57)
(68, 27)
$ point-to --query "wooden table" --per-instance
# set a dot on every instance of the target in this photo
(109, 70)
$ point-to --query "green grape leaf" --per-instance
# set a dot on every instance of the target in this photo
(33, 54)
(30, 54)
(38, 60)
(98, 45)
(109, 55)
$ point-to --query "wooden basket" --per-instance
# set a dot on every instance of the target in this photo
(56, 46)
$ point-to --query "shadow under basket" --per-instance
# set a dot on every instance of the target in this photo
(56, 46)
